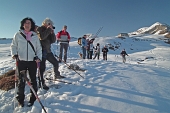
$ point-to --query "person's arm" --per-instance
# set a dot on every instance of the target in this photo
(68, 37)
(39, 49)
(14, 47)
(43, 34)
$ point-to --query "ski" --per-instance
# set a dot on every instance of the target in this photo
(59, 81)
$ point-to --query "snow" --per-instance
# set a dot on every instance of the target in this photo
(141, 85)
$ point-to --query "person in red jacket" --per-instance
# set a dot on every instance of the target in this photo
(63, 37)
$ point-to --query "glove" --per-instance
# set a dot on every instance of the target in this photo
(15, 56)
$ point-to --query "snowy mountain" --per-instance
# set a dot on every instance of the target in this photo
(141, 85)
(156, 28)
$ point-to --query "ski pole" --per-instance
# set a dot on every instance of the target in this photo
(16, 74)
(99, 31)
(35, 94)
(39, 76)
(69, 66)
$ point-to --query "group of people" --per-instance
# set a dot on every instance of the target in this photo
(31, 47)
(87, 47)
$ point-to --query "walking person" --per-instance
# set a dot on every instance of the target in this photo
(47, 37)
(84, 45)
(90, 48)
(105, 50)
(63, 37)
(26, 48)
(123, 54)
(97, 51)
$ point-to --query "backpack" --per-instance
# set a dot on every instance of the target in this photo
(79, 41)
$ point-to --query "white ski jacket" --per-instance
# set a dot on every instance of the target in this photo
(23, 49)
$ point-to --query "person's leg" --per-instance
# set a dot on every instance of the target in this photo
(84, 52)
(65, 51)
(42, 70)
(32, 69)
(61, 51)
(54, 62)
(91, 53)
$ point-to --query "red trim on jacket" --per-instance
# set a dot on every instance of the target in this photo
(63, 33)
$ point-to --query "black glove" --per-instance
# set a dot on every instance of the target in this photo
(15, 57)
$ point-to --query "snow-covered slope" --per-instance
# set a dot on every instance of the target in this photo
(141, 85)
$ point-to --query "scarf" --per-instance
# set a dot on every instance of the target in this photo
(28, 35)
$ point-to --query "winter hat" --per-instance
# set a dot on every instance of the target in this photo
(47, 21)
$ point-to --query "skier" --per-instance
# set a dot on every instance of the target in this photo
(123, 54)
(105, 50)
(90, 48)
(63, 37)
(97, 51)
(26, 48)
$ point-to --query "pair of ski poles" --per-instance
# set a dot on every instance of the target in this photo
(28, 83)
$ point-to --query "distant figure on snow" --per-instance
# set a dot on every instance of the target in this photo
(90, 48)
(97, 51)
(123, 54)
(63, 37)
(105, 50)
(84, 45)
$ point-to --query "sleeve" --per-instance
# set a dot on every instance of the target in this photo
(58, 35)
(39, 49)
(14, 46)
(68, 36)
(43, 34)
(53, 38)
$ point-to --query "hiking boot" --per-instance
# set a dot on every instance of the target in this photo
(30, 104)
(21, 104)
(45, 87)
(59, 77)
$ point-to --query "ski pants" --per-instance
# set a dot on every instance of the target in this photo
(123, 58)
(65, 47)
(104, 56)
(50, 57)
(31, 67)
(84, 52)
(96, 55)
(89, 54)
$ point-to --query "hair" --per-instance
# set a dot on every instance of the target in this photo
(98, 44)
(32, 23)
(47, 20)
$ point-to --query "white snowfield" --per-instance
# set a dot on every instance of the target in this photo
(141, 85)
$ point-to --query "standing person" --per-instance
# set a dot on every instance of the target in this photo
(123, 54)
(105, 50)
(84, 45)
(26, 48)
(90, 48)
(63, 38)
(97, 51)
(47, 37)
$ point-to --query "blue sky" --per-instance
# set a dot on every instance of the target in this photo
(84, 16)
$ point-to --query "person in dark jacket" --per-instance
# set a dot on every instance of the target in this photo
(47, 37)
(90, 48)
(105, 50)
(63, 37)
(27, 57)
(123, 54)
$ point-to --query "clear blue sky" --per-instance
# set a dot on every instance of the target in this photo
(84, 16)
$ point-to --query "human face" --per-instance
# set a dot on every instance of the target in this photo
(27, 25)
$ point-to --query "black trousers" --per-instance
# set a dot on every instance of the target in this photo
(89, 54)
(31, 67)
(50, 57)
(104, 56)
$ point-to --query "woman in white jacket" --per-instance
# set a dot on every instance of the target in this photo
(27, 49)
